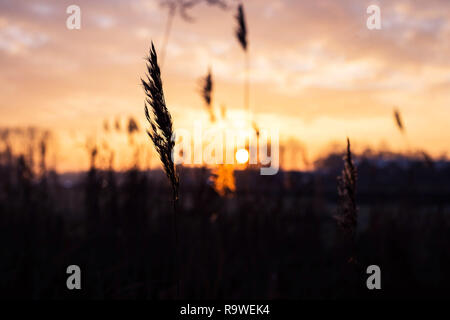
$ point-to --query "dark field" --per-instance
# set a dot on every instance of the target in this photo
(275, 237)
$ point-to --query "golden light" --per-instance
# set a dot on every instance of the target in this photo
(242, 156)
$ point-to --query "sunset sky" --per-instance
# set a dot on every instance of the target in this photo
(317, 73)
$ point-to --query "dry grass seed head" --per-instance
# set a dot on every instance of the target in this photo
(160, 120)
(241, 30)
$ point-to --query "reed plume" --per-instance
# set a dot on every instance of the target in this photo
(347, 216)
(398, 120)
(241, 35)
(132, 126)
(206, 93)
(401, 127)
(161, 124)
(241, 30)
(161, 133)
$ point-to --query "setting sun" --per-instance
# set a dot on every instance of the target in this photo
(242, 156)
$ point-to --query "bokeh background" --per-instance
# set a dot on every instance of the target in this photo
(80, 182)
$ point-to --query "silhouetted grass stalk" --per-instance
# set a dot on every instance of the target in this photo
(162, 134)
(347, 215)
(207, 90)
(401, 127)
(241, 34)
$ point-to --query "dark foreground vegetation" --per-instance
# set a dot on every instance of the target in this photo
(275, 237)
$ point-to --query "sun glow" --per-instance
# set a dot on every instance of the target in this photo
(242, 156)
